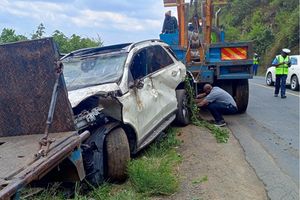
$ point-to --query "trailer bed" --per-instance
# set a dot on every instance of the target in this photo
(18, 164)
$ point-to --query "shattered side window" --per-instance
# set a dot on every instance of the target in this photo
(157, 58)
(94, 70)
(138, 66)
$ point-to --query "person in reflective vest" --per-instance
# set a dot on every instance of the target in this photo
(255, 63)
(282, 63)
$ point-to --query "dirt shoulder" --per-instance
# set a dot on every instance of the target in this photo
(212, 171)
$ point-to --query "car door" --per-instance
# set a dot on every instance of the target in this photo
(151, 96)
(165, 74)
(140, 103)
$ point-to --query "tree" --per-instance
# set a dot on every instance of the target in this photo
(65, 44)
(271, 25)
(39, 33)
(9, 35)
(75, 42)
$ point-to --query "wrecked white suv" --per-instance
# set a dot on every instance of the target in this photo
(126, 95)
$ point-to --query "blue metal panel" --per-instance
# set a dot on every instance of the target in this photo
(180, 54)
(214, 55)
(206, 75)
(171, 39)
(232, 62)
(236, 76)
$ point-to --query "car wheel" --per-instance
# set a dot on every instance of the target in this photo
(294, 83)
(116, 155)
(269, 81)
(183, 112)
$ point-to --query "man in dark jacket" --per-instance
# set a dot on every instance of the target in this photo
(170, 23)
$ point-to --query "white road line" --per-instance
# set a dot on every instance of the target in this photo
(270, 88)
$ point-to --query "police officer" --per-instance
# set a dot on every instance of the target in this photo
(282, 63)
(255, 63)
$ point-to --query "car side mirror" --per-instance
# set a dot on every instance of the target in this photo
(138, 83)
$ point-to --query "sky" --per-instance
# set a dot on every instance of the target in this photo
(114, 21)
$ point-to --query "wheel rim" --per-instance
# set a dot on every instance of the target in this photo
(269, 79)
(293, 83)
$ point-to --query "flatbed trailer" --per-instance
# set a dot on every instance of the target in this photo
(20, 167)
(28, 73)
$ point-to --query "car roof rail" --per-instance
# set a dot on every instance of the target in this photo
(90, 50)
(144, 41)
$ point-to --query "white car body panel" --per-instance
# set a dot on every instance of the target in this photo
(293, 70)
(77, 96)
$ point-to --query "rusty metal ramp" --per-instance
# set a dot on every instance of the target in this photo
(28, 73)
(27, 78)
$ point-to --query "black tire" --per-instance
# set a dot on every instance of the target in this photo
(294, 83)
(241, 91)
(183, 112)
(116, 155)
(269, 80)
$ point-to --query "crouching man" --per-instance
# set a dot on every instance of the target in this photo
(218, 102)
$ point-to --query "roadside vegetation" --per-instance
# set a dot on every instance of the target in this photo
(65, 44)
(150, 174)
(270, 24)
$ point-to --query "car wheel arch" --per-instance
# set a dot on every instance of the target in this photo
(269, 74)
(131, 136)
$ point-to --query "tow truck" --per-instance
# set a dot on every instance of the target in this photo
(224, 64)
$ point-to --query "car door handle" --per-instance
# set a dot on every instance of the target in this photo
(174, 73)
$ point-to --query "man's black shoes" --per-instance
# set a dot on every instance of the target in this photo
(220, 123)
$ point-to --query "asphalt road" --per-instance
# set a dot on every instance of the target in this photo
(269, 135)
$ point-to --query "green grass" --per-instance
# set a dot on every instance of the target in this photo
(153, 176)
(153, 173)
(163, 145)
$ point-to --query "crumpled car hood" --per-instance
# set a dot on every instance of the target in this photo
(77, 96)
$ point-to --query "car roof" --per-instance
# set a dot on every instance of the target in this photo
(126, 47)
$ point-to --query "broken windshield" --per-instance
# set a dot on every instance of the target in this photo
(94, 70)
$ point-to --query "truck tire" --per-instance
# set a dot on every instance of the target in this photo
(241, 94)
(116, 155)
(183, 112)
